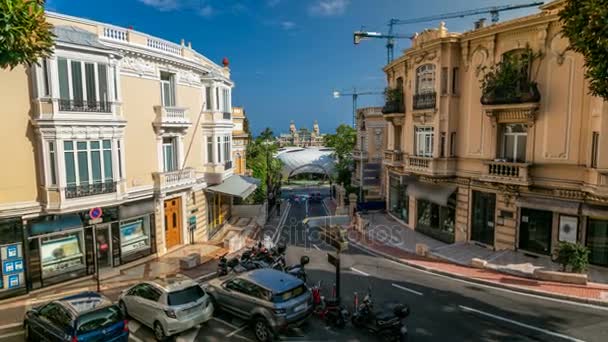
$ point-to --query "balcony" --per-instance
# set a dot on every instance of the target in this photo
(437, 167)
(506, 172)
(359, 154)
(172, 180)
(393, 158)
(83, 106)
(424, 101)
(171, 117)
(228, 165)
(85, 190)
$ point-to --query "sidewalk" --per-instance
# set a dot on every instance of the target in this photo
(389, 238)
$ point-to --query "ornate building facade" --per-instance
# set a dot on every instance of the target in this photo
(368, 153)
(302, 137)
(508, 173)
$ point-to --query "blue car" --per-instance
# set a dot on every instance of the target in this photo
(84, 317)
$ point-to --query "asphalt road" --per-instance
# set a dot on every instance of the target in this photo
(442, 308)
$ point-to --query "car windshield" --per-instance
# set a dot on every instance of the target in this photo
(99, 319)
(185, 296)
(287, 295)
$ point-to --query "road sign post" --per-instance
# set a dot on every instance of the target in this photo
(335, 237)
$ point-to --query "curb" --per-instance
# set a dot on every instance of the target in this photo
(576, 299)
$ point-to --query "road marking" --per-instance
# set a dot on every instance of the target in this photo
(205, 276)
(557, 300)
(16, 333)
(406, 289)
(316, 247)
(135, 338)
(224, 322)
(358, 271)
(544, 331)
(237, 331)
(279, 230)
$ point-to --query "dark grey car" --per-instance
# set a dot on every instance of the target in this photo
(271, 300)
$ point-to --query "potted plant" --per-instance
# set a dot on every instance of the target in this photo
(509, 81)
(573, 257)
(393, 101)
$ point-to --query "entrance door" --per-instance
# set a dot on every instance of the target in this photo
(103, 244)
(535, 228)
(173, 222)
(482, 222)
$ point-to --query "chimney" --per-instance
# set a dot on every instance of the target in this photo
(481, 23)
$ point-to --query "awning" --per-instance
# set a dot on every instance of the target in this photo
(556, 205)
(238, 186)
(438, 194)
(595, 210)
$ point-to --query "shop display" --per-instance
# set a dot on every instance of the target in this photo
(134, 236)
(60, 255)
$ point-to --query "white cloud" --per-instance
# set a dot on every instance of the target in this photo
(206, 11)
(163, 5)
(328, 8)
(288, 25)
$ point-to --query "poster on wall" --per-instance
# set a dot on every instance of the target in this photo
(568, 228)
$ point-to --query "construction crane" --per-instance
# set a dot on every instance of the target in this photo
(355, 94)
(390, 36)
(493, 10)
(390, 39)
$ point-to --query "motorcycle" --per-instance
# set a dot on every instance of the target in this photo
(386, 324)
(298, 270)
(222, 266)
(328, 309)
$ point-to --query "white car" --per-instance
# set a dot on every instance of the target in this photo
(167, 305)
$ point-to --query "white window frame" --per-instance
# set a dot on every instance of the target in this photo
(85, 94)
(517, 136)
(173, 146)
(171, 83)
(104, 177)
(209, 149)
(423, 85)
(424, 139)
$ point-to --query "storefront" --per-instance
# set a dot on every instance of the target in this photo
(12, 273)
(436, 209)
(596, 237)
(63, 247)
(398, 201)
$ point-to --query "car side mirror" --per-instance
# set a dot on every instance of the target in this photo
(304, 260)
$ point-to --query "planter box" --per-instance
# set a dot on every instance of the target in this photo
(562, 277)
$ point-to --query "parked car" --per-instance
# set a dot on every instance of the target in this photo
(316, 197)
(167, 305)
(84, 317)
(272, 301)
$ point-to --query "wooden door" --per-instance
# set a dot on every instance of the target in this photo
(173, 222)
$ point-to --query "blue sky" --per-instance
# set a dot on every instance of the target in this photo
(287, 56)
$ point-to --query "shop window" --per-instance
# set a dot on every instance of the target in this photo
(424, 141)
(437, 221)
(398, 200)
(535, 229)
(597, 241)
(10, 231)
(513, 138)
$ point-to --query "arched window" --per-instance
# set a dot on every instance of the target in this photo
(425, 79)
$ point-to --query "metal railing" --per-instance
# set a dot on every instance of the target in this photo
(427, 100)
(85, 106)
(84, 190)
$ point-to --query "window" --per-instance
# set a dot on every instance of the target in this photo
(167, 89)
(119, 148)
(209, 149)
(442, 145)
(219, 149)
(437, 221)
(424, 141)
(595, 145)
(46, 85)
(99, 319)
(226, 100)
(397, 138)
(453, 144)
(52, 165)
(169, 155)
(398, 199)
(455, 80)
(217, 98)
(513, 142)
(425, 79)
(227, 156)
(56, 314)
(535, 229)
(444, 81)
(89, 163)
(185, 296)
(208, 98)
(83, 86)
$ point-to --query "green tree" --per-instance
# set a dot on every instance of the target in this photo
(260, 158)
(343, 142)
(585, 24)
(25, 35)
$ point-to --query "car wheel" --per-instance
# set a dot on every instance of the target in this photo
(123, 308)
(262, 331)
(27, 333)
(159, 333)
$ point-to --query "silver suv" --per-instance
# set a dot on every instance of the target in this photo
(271, 300)
(168, 305)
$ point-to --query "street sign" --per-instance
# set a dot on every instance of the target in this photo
(333, 260)
(95, 213)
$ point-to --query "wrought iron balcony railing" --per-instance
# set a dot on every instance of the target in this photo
(84, 190)
(85, 106)
(427, 100)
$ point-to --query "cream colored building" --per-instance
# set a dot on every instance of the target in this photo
(368, 153)
(302, 137)
(119, 120)
(508, 174)
(240, 139)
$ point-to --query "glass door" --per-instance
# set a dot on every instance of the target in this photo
(597, 241)
(103, 245)
(535, 230)
(482, 227)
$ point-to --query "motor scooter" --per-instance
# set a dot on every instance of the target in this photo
(386, 324)
(328, 309)
(298, 270)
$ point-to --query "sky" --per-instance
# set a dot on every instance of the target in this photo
(286, 56)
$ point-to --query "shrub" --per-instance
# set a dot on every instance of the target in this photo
(574, 256)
